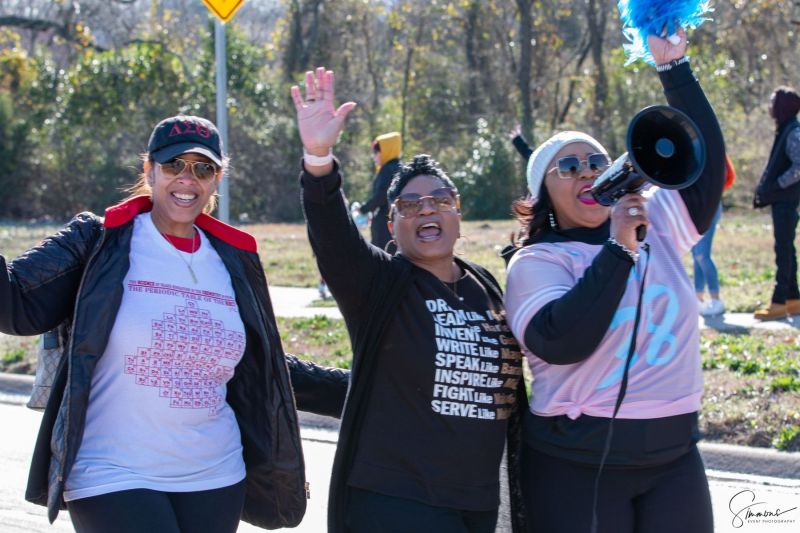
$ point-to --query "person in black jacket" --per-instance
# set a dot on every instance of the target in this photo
(172, 409)
(386, 150)
(436, 376)
(779, 187)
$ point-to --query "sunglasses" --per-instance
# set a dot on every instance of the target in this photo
(571, 167)
(410, 204)
(200, 169)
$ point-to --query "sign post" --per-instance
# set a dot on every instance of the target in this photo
(222, 115)
(224, 10)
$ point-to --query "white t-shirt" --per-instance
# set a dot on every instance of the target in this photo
(157, 416)
(665, 377)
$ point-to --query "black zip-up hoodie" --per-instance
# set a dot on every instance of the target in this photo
(368, 285)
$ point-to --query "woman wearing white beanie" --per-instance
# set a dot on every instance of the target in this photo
(609, 328)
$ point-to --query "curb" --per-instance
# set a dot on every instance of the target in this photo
(724, 461)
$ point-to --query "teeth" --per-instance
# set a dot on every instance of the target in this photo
(181, 196)
(429, 225)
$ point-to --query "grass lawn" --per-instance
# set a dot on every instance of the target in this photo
(752, 393)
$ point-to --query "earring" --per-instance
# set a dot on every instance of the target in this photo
(552, 219)
(388, 245)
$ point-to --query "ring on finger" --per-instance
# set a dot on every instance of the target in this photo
(633, 211)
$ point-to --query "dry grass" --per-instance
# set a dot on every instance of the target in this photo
(752, 381)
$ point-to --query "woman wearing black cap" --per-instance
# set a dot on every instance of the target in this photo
(436, 374)
(172, 408)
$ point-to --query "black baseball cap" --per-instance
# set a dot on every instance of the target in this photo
(183, 134)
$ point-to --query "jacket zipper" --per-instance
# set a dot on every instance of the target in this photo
(69, 352)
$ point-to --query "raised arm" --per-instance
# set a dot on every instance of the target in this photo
(346, 261)
(684, 92)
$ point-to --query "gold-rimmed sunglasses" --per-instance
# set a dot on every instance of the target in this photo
(200, 169)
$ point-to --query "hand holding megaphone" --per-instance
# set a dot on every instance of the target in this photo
(665, 148)
(629, 220)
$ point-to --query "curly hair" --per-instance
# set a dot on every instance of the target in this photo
(420, 165)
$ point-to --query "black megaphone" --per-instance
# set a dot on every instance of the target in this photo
(665, 148)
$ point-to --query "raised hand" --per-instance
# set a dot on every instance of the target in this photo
(319, 123)
(664, 50)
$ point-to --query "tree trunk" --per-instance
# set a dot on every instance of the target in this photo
(524, 72)
(407, 75)
(596, 16)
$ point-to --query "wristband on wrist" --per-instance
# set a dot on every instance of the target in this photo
(674, 63)
(633, 255)
(318, 161)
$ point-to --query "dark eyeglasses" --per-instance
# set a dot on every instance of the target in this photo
(571, 167)
(410, 204)
(200, 169)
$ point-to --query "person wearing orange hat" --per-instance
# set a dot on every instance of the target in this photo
(386, 150)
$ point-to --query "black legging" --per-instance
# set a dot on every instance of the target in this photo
(148, 511)
(662, 499)
(784, 224)
(371, 512)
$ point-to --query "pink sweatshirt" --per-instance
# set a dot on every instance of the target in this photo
(665, 377)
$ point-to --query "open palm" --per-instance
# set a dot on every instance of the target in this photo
(319, 123)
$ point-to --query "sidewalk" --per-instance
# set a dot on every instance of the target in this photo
(296, 302)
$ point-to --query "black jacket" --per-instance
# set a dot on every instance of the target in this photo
(76, 276)
(378, 203)
(768, 190)
(368, 285)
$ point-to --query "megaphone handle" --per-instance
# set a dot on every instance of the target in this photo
(641, 232)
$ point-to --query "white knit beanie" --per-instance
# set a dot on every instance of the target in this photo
(539, 161)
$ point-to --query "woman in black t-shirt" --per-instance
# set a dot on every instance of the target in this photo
(436, 375)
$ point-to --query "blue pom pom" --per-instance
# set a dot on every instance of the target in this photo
(641, 18)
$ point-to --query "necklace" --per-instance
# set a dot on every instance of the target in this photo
(453, 286)
(191, 257)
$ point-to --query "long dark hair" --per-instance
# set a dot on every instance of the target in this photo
(785, 105)
(533, 217)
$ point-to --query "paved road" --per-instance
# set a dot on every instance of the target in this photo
(16, 515)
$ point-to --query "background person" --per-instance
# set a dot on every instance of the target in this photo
(436, 373)
(779, 187)
(386, 150)
(520, 144)
(573, 295)
(705, 269)
(172, 410)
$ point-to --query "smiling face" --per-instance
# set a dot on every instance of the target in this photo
(572, 202)
(179, 200)
(430, 235)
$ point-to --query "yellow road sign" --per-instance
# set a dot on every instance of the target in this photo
(223, 9)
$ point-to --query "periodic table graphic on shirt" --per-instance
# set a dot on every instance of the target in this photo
(190, 355)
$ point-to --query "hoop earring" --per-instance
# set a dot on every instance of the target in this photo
(552, 219)
(388, 245)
